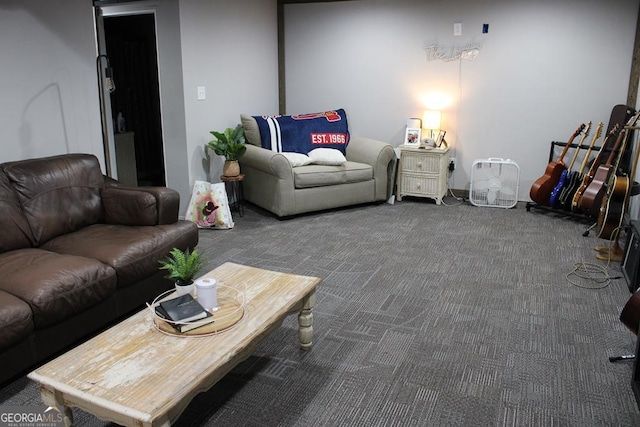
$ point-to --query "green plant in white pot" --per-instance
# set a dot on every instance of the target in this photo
(182, 267)
(231, 145)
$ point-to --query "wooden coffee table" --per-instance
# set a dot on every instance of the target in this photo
(134, 374)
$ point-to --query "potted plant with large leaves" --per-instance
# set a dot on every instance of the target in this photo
(182, 267)
(231, 145)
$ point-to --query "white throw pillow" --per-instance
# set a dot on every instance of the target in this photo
(327, 156)
(297, 159)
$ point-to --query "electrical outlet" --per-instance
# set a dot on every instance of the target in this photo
(457, 29)
(452, 164)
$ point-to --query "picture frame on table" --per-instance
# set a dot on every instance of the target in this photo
(440, 139)
(412, 136)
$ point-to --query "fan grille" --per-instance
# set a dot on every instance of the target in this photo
(494, 183)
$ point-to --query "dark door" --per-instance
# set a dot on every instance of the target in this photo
(131, 48)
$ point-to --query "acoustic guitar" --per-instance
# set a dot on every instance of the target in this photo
(541, 189)
(554, 199)
(615, 202)
(613, 207)
(575, 179)
(576, 203)
(595, 191)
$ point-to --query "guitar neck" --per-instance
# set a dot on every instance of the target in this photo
(622, 141)
(593, 141)
(575, 154)
(606, 143)
(622, 148)
(614, 151)
(566, 148)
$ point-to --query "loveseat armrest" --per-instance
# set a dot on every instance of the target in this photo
(268, 180)
(140, 205)
(369, 151)
(267, 161)
(376, 153)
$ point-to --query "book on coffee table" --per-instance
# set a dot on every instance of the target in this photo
(184, 313)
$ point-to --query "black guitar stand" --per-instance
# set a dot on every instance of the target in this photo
(574, 215)
(578, 216)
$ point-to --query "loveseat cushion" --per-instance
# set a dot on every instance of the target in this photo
(16, 320)
(16, 233)
(132, 251)
(55, 286)
(50, 186)
(320, 175)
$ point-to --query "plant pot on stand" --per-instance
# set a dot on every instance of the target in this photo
(231, 168)
(231, 145)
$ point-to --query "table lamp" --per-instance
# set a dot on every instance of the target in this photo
(431, 121)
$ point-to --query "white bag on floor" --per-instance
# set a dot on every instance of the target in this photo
(209, 206)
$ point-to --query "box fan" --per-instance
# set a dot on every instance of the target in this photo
(494, 183)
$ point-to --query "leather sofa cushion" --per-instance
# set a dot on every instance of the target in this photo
(16, 320)
(55, 286)
(59, 194)
(133, 251)
(16, 233)
(320, 175)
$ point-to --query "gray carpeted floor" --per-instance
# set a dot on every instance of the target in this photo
(427, 316)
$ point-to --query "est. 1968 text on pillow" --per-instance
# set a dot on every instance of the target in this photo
(301, 133)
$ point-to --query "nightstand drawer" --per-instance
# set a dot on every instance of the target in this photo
(421, 162)
(421, 185)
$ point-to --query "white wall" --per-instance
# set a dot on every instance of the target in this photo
(230, 48)
(543, 68)
(49, 101)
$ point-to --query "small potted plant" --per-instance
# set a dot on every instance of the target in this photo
(231, 145)
(182, 267)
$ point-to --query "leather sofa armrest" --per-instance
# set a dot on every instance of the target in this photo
(167, 203)
(126, 206)
(267, 161)
(167, 200)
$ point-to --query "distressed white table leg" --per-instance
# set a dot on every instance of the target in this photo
(160, 423)
(305, 321)
(53, 398)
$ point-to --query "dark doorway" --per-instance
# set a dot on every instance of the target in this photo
(131, 48)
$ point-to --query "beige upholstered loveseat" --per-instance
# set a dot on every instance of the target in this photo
(272, 183)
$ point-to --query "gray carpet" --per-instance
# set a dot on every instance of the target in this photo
(427, 316)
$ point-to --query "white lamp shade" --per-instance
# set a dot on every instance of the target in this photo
(431, 119)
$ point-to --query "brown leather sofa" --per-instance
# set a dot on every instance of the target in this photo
(77, 251)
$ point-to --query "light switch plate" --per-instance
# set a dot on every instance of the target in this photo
(202, 93)
(457, 29)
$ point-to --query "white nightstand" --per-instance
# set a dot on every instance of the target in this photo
(423, 172)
